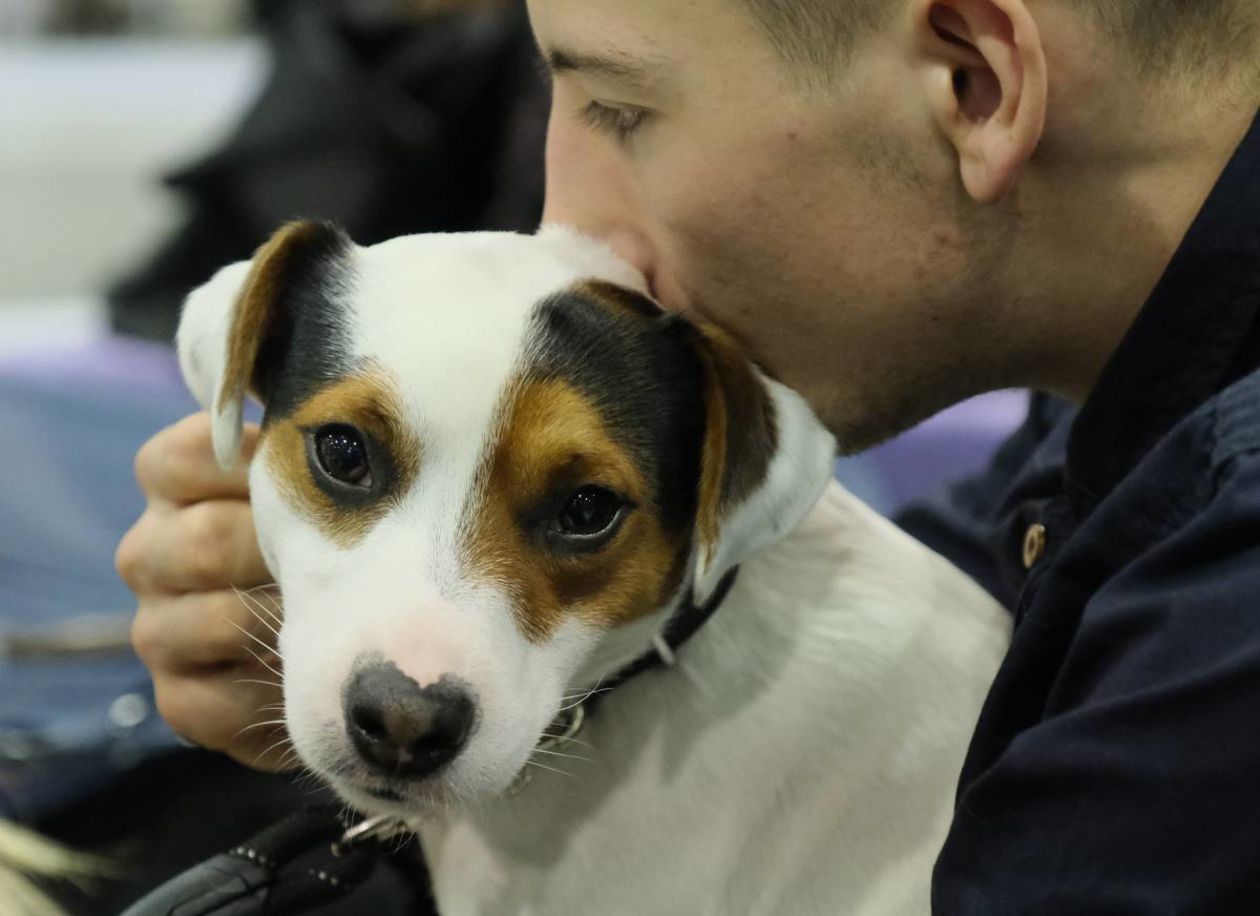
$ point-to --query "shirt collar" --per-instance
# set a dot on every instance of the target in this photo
(1198, 332)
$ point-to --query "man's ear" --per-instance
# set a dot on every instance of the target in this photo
(764, 460)
(988, 86)
(230, 324)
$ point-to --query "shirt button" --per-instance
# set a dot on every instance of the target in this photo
(1034, 544)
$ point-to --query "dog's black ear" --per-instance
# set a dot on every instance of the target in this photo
(245, 313)
(764, 460)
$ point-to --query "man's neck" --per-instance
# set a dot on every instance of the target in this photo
(1106, 205)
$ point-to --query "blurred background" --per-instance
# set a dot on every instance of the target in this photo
(97, 100)
(144, 144)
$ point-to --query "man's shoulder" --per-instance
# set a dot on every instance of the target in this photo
(1234, 417)
(1210, 461)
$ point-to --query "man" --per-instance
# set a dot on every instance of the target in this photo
(896, 204)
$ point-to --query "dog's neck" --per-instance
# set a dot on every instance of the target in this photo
(684, 619)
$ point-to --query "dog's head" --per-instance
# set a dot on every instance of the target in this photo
(490, 467)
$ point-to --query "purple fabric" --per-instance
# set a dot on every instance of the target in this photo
(124, 364)
(951, 445)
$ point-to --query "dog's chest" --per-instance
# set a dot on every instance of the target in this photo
(666, 835)
(646, 829)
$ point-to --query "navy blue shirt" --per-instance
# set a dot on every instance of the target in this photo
(1115, 768)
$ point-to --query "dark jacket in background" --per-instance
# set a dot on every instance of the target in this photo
(385, 125)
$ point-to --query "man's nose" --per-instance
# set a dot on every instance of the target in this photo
(402, 729)
(591, 188)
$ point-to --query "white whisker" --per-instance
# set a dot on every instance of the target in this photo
(568, 740)
(290, 756)
(253, 605)
(249, 680)
(542, 750)
(269, 648)
(276, 723)
(283, 741)
(259, 592)
(584, 697)
(541, 766)
(258, 658)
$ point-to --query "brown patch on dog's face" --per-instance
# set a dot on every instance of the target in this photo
(554, 442)
(740, 429)
(368, 403)
(740, 435)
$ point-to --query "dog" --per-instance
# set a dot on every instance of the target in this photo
(493, 477)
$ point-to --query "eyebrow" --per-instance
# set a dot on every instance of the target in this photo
(612, 65)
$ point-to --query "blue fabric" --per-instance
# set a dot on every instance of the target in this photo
(1115, 768)
(68, 726)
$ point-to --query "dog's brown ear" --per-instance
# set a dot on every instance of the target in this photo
(764, 459)
(245, 309)
(740, 435)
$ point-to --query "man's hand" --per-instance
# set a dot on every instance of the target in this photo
(206, 625)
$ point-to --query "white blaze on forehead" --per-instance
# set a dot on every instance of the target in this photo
(448, 316)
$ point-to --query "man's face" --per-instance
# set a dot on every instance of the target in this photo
(824, 227)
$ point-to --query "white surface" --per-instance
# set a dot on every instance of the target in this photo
(87, 128)
(30, 324)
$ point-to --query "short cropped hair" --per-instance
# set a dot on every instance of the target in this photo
(1162, 36)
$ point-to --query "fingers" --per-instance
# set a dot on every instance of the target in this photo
(178, 466)
(204, 630)
(200, 547)
(216, 675)
(238, 711)
(186, 635)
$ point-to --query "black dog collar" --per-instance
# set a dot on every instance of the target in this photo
(680, 628)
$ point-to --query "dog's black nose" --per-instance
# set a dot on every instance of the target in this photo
(402, 729)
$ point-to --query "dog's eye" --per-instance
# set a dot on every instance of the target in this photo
(589, 512)
(343, 455)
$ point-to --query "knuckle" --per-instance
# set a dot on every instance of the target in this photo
(172, 702)
(206, 549)
(191, 715)
(134, 557)
(145, 464)
(179, 474)
(129, 557)
(169, 462)
(150, 639)
(189, 440)
(145, 638)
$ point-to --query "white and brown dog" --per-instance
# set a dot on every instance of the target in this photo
(492, 473)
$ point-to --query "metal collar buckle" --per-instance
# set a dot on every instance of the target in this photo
(373, 829)
(564, 728)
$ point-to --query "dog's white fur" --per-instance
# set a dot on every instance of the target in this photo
(801, 757)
